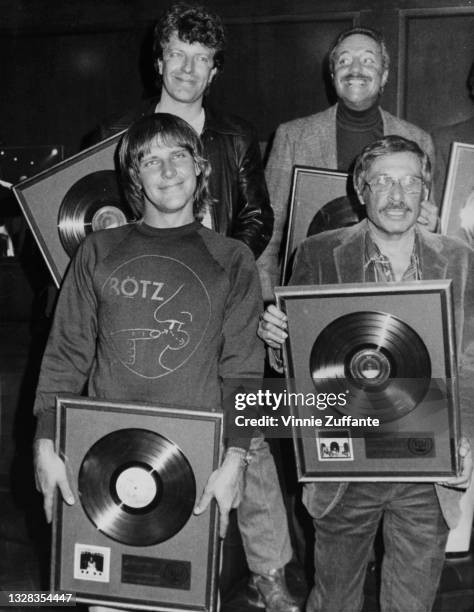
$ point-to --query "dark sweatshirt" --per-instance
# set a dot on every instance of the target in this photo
(153, 315)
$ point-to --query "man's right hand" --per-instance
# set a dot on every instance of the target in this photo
(272, 327)
(50, 472)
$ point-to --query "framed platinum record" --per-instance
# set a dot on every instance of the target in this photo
(131, 539)
(319, 201)
(371, 380)
(64, 203)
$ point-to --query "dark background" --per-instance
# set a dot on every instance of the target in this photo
(68, 65)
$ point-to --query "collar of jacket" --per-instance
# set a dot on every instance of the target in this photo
(326, 134)
(214, 122)
(349, 254)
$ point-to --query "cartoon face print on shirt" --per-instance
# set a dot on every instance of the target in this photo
(155, 313)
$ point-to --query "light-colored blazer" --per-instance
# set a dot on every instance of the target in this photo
(338, 257)
(310, 141)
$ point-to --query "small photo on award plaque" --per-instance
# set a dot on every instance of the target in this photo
(334, 445)
(380, 359)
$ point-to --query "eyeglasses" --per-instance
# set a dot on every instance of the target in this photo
(383, 183)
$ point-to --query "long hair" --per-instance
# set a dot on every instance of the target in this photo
(167, 130)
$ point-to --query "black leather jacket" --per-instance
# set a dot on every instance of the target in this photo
(237, 180)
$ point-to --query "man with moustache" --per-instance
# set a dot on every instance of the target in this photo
(188, 48)
(359, 64)
(391, 178)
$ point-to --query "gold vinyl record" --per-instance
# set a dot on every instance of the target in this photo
(377, 359)
(137, 487)
(93, 203)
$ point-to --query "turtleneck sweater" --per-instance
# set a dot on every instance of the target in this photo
(354, 131)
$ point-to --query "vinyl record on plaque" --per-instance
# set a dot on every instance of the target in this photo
(379, 360)
(94, 202)
(137, 487)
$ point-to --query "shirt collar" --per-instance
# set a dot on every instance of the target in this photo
(378, 268)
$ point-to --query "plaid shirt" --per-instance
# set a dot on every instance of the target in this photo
(377, 266)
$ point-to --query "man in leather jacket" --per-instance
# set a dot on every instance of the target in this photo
(188, 51)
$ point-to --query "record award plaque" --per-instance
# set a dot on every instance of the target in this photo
(371, 380)
(319, 201)
(64, 203)
(131, 540)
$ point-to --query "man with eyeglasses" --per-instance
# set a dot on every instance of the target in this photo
(359, 64)
(391, 178)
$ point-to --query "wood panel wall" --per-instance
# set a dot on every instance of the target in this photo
(68, 65)
(432, 90)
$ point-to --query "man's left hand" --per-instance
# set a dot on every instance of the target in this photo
(428, 217)
(465, 459)
(225, 485)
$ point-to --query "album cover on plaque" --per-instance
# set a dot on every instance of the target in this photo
(66, 202)
(371, 380)
(131, 539)
(457, 207)
(319, 200)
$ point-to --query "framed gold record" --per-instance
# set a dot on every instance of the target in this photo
(131, 539)
(372, 370)
(457, 206)
(320, 200)
(64, 203)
